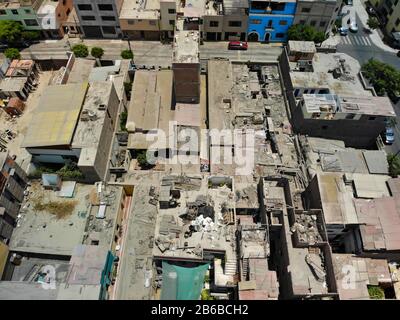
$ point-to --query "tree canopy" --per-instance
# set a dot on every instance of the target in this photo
(12, 53)
(97, 52)
(394, 165)
(384, 78)
(373, 22)
(10, 31)
(302, 32)
(127, 54)
(80, 50)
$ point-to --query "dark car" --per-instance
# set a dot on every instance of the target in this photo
(238, 45)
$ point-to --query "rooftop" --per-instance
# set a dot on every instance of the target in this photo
(203, 220)
(322, 76)
(302, 46)
(54, 121)
(80, 71)
(142, 9)
(43, 229)
(14, 84)
(327, 155)
(366, 272)
(20, 68)
(186, 45)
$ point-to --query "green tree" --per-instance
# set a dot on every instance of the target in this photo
(373, 22)
(80, 50)
(394, 164)
(10, 31)
(122, 120)
(12, 53)
(97, 52)
(376, 292)
(127, 54)
(142, 160)
(30, 35)
(302, 32)
(384, 78)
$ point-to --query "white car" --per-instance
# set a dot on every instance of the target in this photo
(353, 27)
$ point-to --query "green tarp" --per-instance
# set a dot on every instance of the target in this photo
(181, 283)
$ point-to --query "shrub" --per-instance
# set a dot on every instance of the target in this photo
(97, 52)
(122, 120)
(80, 50)
(127, 54)
(376, 292)
(12, 53)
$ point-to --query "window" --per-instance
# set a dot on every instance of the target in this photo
(94, 242)
(85, 7)
(171, 11)
(131, 22)
(109, 30)
(213, 23)
(280, 35)
(350, 116)
(302, 21)
(255, 21)
(324, 127)
(31, 22)
(322, 23)
(283, 23)
(88, 18)
(397, 22)
(312, 91)
(108, 18)
(172, 22)
(14, 11)
(235, 23)
(305, 10)
(313, 23)
(371, 118)
(152, 22)
(105, 7)
(27, 11)
(3, 12)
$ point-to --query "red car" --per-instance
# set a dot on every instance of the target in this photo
(237, 45)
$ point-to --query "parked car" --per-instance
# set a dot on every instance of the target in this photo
(389, 135)
(349, 2)
(343, 31)
(237, 45)
(353, 27)
(371, 11)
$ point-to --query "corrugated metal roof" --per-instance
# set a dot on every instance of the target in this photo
(55, 119)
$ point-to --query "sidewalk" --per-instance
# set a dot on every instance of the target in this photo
(375, 38)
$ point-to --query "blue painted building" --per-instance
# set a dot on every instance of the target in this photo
(269, 21)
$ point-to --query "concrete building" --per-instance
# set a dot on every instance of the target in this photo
(356, 120)
(320, 14)
(186, 64)
(140, 19)
(389, 12)
(38, 15)
(82, 127)
(13, 181)
(99, 19)
(269, 21)
(329, 81)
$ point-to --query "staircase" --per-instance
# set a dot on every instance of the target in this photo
(231, 267)
(245, 269)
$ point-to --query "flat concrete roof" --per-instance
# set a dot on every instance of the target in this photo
(302, 46)
(220, 84)
(55, 119)
(186, 45)
(81, 70)
(14, 84)
(22, 290)
(42, 232)
(320, 78)
(143, 9)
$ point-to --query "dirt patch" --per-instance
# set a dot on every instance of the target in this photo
(61, 209)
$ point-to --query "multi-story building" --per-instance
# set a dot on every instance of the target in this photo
(320, 14)
(38, 15)
(13, 181)
(390, 13)
(270, 20)
(99, 18)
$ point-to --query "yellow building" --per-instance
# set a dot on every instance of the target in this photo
(390, 12)
(3, 257)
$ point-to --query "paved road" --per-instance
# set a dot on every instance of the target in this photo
(152, 52)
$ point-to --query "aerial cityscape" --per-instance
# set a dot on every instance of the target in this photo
(227, 150)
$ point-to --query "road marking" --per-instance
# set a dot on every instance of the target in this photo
(345, 40)
(368, 41)
(356, 40)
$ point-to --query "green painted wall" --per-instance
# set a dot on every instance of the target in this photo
(24, 13)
